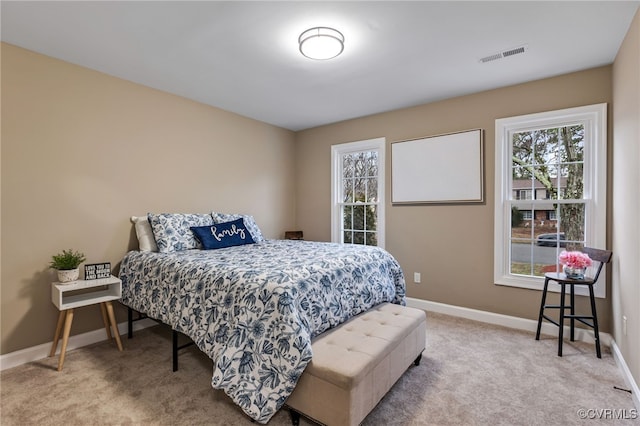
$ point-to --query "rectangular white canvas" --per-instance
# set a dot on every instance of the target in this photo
(438, 169)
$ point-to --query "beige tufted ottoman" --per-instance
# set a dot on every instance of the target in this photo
(355, 364)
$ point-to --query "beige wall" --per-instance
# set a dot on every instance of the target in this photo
(83, 151)
(626, 198)
(451, 245)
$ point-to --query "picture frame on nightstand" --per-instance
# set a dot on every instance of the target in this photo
(95, 271)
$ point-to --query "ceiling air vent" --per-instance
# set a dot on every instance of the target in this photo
(504, 54)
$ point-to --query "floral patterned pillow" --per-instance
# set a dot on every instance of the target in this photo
(172, 231)
(249, 222)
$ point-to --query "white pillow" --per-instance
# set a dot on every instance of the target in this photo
(146, 241)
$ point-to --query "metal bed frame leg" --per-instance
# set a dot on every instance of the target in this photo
(295, 417)
(416, 362)
(174, 337)
(129, 322)
(175, 350)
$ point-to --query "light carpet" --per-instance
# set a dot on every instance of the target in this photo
(471, 373)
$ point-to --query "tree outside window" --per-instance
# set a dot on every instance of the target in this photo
(550, 161)
(360, 197)
(358, 191)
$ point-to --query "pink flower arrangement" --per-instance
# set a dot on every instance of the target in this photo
(575, 259)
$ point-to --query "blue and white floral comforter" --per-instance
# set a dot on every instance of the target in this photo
(255, 308)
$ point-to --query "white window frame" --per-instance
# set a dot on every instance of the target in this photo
(377, 144)
(594, 119)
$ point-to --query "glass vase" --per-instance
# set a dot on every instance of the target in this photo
(574, 273)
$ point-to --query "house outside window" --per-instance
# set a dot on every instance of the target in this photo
(357, 215)
(525, 194)
(550, 191)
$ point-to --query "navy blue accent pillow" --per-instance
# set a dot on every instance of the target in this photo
(226, 234)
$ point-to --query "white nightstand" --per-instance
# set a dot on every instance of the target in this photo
(79, 293)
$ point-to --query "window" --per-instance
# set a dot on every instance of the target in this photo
(561, 154)
(525, 194)
(357, 212)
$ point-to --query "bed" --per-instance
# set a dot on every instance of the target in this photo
(254, 308)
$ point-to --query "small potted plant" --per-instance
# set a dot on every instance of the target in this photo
(67, 263)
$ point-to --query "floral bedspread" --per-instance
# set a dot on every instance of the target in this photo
(255, 308)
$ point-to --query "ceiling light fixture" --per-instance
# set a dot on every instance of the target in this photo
(321, 43)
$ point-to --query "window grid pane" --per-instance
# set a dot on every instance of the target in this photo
(359, 197)
(547, 164)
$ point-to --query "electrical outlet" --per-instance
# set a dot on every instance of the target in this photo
(416, 277)
(624, 325)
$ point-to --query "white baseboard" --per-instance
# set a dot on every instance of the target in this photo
(581, 334)
(628, 378)
(14, 359)
(530, 325)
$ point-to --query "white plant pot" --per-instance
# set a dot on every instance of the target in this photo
(69, 275)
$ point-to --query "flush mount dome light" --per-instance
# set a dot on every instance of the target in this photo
(321, 43)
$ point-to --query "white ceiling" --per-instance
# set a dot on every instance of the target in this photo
(243, 56)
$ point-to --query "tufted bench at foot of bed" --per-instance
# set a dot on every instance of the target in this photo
(355, 364)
